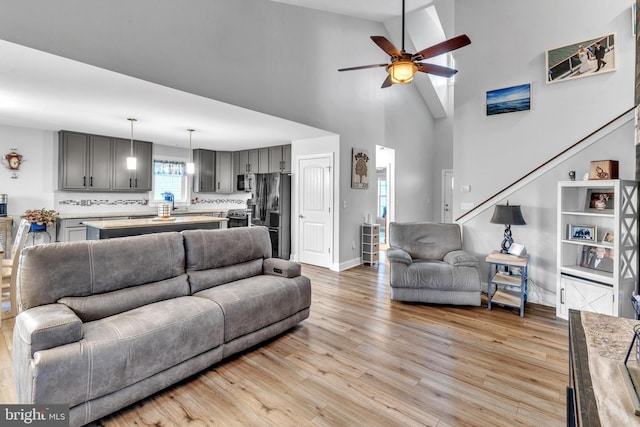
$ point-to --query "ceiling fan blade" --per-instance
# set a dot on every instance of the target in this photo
(444, 47)
(387, 82)
(438, 70)
(362, 67)
(386, 45)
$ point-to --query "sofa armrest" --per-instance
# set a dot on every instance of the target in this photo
(281, 267)
(48, 326)
(399, 255)
(461, 259)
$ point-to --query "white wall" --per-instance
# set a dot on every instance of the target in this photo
(261, 55)
(509, 40)
(32, 189)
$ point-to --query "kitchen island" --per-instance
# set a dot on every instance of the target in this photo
(107, 229)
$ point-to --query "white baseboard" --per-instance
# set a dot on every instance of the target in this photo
(347, 264)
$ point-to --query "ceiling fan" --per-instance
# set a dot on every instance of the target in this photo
(404, 65)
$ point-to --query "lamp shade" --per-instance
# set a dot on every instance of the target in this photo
(402, 71)
(507, 215)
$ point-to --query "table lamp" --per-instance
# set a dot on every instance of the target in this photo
(508, 215)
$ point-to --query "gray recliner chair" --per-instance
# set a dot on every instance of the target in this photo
(428, 265)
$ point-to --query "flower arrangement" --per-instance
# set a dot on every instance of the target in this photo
(41, 216)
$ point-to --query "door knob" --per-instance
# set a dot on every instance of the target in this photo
(301, 216)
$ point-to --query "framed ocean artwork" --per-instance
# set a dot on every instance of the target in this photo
(509, 99)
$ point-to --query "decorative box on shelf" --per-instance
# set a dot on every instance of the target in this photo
(603, 169)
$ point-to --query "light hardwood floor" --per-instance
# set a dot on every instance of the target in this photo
(363, 360)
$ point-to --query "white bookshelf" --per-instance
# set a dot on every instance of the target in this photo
(579, 285)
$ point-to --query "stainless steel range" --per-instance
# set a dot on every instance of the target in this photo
(238, 218)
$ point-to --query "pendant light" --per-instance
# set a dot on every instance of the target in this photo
(191, 168)
(131, 161)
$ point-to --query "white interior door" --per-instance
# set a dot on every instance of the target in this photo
(315, 200)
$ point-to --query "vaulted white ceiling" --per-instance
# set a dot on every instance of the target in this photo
(44, 91)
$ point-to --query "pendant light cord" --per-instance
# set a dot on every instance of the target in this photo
(131, 120)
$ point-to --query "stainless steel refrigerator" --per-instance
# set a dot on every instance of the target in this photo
(272, 197)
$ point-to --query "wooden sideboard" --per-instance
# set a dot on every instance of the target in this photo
(597, 394)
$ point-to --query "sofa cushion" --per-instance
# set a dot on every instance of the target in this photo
(47, 273)
(120, 350)
(94, 307)
(206, 249)
(205, 279)
(425, 240)
(435, 275)
(256, 302)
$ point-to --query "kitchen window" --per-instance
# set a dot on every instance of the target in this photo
(169, 176)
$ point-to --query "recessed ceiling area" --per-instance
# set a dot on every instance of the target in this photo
(39, 90)
(373, 10)
(43, 91)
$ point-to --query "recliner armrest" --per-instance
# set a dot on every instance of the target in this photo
(48, 326)
(399, 255)
(461, 259)
(281, 267)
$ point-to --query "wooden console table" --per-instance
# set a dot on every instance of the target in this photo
(597, 394)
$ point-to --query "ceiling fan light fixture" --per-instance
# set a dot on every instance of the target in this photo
(402, 72)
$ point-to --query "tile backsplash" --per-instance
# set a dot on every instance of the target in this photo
(67, 202)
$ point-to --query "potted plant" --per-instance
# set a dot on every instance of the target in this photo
(40, 218)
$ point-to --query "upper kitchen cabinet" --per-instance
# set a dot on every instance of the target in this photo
(263, 160)
(204, 177)
(224, 172)
(132, 180)
(280, 158)
(84, 162)
(249, 161)
(213, 171)
(98, 163)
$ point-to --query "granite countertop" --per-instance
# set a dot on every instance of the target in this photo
(608, 339)
(150, 222)
(150, 212)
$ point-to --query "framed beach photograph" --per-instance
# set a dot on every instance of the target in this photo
(600, 200)
(359, 168)
(608, 237)
(509, 99)
(583, 58)
(583, 232)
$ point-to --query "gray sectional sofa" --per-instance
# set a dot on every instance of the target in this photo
(105, 323)
(428, 265)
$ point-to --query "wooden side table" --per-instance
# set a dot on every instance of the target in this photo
(508, 274)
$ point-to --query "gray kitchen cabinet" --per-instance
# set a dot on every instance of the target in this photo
(249, 161)
(280, 158)
(84, 162)
(98, 163)
(204, 177)
(263, 160)
(71, 230)
(224, 172)
(127, 180)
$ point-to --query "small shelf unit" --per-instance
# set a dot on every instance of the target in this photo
(580, 285)
(370, 244)
(507, 280)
